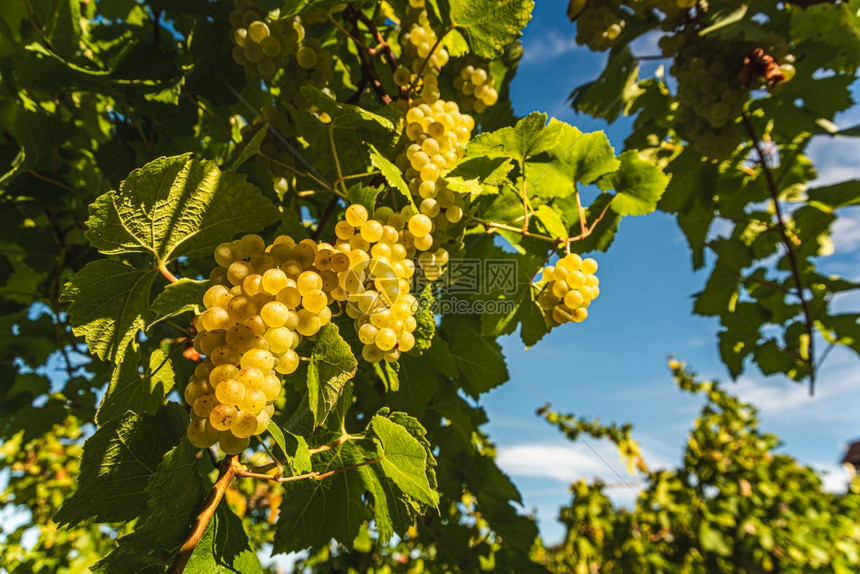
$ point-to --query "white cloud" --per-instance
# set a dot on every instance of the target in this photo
(549, 46)
(564, 463)
(780, 399)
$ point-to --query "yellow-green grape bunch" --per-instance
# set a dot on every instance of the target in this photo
(262, 301)
(437, 132)
(598, 25)
(474, 84)
(312, 65)
(571, 286)
(420, 52)
(373, 261)
(259, 43)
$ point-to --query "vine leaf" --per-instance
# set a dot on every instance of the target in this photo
(175, 493)
(391, 173)
(638, 185)
(479, 175)
(490, 25)
(109, 305)
(320, 511)
(130, 390)
(176, 206)
(332, 365)
(177, 298)
(118, 462)
(576, 158)
(224, 547)
(478, 360)
(531, 136)
(404, 460)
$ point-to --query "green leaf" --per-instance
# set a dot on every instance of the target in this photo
(109, 305)
(404, 460)
(478, 360)
(638, 185)
(607, 96)
(425, 321)
(177, 206)
(177, 298)
(117, 463)
(363, 195)
(828, 198)
(224, 547)
(176, 493)
(418, 382)
(251, 149)
(479, 174)
(713, 540)
(529, 137)
(490, 25)
(130, 390)
(319, 511)
(551, 221)
(576, 158)
(332, 364)
(391, 173)
(388, 374)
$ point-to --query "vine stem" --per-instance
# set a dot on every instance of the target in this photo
(166, 272)
(418, 75)
(786, 241)
(367, 69)
(228, 468)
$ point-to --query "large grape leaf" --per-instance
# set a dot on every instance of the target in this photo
(404, 460)
(176, 493)
(177, 206)
(478, 360)
(531, 136)
(332, 364)
(131, 390)
(576, 158)
(611, 93)
(118, 462)
(638, 185)
(490, 25)
(224, 547)
(109, 305)
(319, 511)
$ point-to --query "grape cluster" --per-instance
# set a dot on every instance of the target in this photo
(417, 39)
(474, 84)
(598, 24)
(262, 302)
(261, 45)
(571, 286)
(436, 132)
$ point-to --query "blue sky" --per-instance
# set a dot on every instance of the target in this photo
(614, 365)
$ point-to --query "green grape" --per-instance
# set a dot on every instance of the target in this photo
(262, 422)
(204, 404)
(259, 358)
(386, 339)
(254, 401)
(356, 215)
(287, 363)
(250, 377)
(230, 392)
(315, 301)
(308, 281)
(222, 416)
(271, 386)
(201, 433)
(309, 323)
(231, 444)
